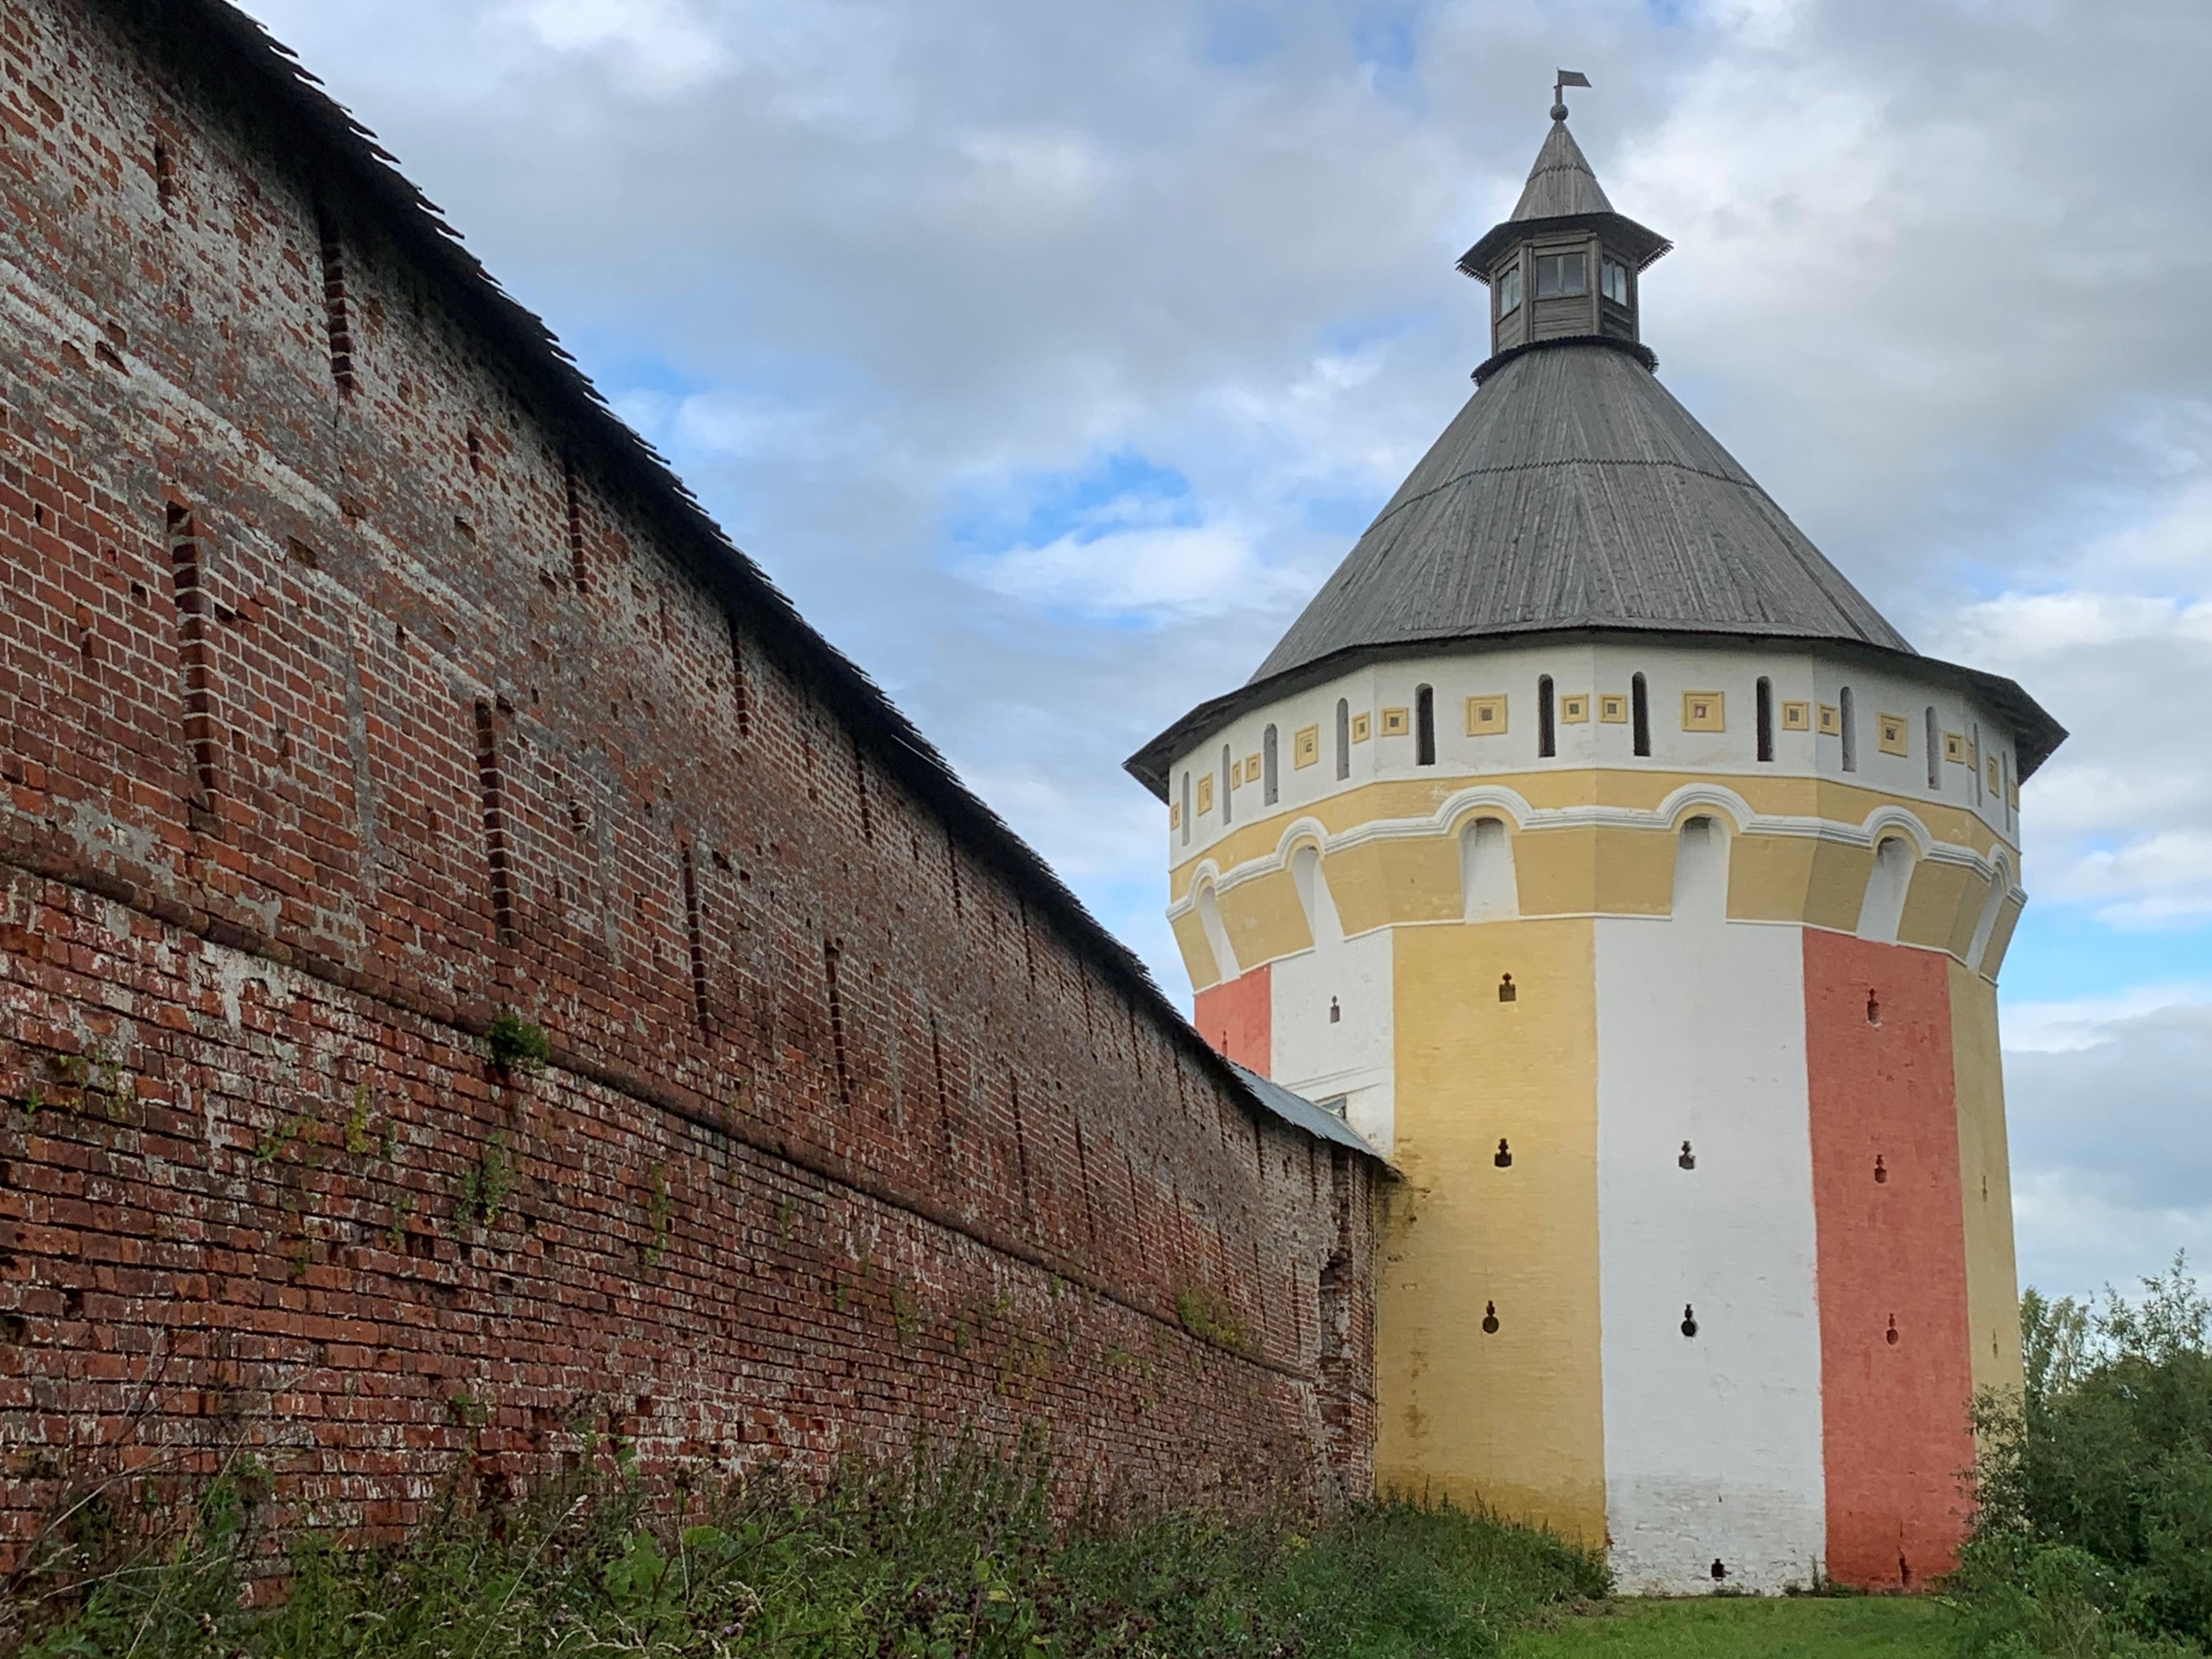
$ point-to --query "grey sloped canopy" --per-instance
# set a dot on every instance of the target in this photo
(1573, 491)
(1573, 494)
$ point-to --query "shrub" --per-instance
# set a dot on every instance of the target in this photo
(2094, 1531)
(515, 1044)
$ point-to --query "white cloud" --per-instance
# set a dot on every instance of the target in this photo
(1160, 574)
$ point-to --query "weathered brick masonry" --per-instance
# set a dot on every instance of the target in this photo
(360, 678)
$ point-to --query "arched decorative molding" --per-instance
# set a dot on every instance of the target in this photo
(1892, 820)
(1483, 801)
(1993, 903)
(1299, 831)
(1711, 800)
(1889, 878)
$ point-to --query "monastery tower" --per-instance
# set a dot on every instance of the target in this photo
(1605, 857)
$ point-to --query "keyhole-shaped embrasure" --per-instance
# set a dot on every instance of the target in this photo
(1689, 1320)
(1689, 1159)
(1719, 1570)
(1507, 991)
(1890, 1335)
(1505, 1158)
(1334, 1012)
(1880, 1174)
(1490, 1319)
(1874, 1009)
(1985, 1189)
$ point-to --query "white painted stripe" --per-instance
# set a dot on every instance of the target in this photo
(1712, 1443)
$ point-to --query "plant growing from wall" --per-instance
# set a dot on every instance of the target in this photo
(1207, 1317)
(515, 1044)
(486, 1184)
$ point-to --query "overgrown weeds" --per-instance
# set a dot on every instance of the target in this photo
(956, 1558)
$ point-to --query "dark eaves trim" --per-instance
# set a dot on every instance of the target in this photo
(228, 60)
(1636, 348)
(2039, 735)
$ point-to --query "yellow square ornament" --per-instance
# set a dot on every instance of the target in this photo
(1954, 748)
(1702, 712)
(1831, 720)
(1305, 746)
(1174, 817)
(1889, 734)
(1205, 792)
(1251, 768)
(1612, 710)
(1997, 777)
(1796, 717)
(1574, 709)
(1485, 717)
(1394, 722)
(1360, 726)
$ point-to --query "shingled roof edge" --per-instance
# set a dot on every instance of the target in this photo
(335, 148)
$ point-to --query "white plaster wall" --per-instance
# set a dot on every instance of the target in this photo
(1712, 1443)
(1318, 1059)
(1669, 668)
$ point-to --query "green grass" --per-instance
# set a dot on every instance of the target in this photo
(953, 1560)
(1809, 1627)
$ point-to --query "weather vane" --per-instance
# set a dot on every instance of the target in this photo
(1568, 77)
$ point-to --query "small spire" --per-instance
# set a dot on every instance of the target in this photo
(1568, 77)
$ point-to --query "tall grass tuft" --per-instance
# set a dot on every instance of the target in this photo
(952, 1558)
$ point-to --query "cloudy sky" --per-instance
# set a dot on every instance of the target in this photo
(1049, 355)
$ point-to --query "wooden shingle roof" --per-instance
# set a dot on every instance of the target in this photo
(1574, 491)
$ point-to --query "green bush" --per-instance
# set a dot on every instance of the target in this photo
(959, 1557)
(2095, 1532)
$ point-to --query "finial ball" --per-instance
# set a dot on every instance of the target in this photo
(1558, 112)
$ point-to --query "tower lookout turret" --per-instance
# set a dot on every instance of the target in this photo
(1597, 848)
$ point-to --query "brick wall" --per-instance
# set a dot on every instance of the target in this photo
(352, 694)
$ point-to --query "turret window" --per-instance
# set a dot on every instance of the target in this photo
(1613, 279)
(1561, 276)
(1547, 744)
(1639, 702)
(1343, 738)
(1850, 730)
(1509, 290)
(1269, 786)
(1425, 727)
(1766, 750)
(1228, 781)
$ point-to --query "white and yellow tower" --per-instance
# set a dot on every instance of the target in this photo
(1603, 856)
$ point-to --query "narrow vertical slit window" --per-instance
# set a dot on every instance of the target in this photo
(195, 651)
(337, 315)
(741, 697)
(1228, 780)
(573, 501)
(830, 955)
(695, 933)
(1424, 726)
(860, 791)
(1185, 808)
(1547, 736)
(493, 792)
(165, 175)
(1639, 714)
(1934, 741)
(1847, 713)
(1270, 785)
(1765, 718)
(1975, 758)
(1343, 739)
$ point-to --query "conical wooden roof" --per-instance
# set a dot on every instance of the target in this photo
(1561, 183)
(1574, 491)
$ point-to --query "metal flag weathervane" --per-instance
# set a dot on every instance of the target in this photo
(1568, 77)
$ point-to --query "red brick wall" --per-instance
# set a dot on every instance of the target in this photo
(1891, 1257)
(845, 1130)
